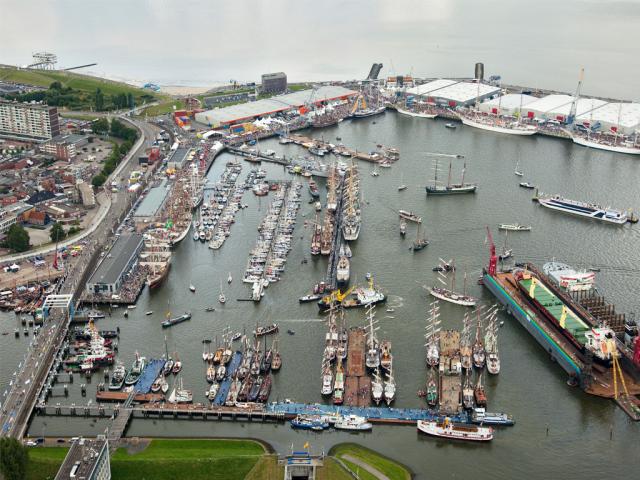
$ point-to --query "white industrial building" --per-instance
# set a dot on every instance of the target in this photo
(454, 93)
(507, 105)
(544, 108)
(614, 117)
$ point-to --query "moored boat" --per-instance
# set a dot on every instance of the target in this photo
(449, 430)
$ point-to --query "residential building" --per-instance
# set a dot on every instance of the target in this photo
(64, 147)
(26, 121)
(274, 82)
(7, 218)
(87, 197)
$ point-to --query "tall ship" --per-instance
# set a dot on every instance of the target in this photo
(493, 123)
(450, 188)
(584, 209)
(316, 238)
(367, 104)
(351, 220)
(432, 335)
(568, 278)
(343, 271)
(326, 237)
(333, 181)
(448, 293)
(416, 113)
(609, 143)
(156, 257)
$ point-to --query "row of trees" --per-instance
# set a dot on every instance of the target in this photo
(116, 129)
(118, 101)
(57, 95)
(14, 458)
(17, 238)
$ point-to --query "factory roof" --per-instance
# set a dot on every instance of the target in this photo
(112, 266)
(426, 88)
(510, 100)
(280, 103)
(179, 155)
(583, 106)
(626, 115)
(153, 201)
(465, 91)
(549, 103)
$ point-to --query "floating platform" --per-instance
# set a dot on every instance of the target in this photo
(355, 358)
(149, 375)
(225, 385)
(108, 396)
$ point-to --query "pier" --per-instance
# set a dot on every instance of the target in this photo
(332, 264)
(342, 150)
(449, 382)
(149, 375)
(357, 383)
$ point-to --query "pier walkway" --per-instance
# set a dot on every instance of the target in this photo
(225, 385)
(149, 374)
(357, 384)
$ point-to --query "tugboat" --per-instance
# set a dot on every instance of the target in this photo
(117, 378)
(432, 389)
(479, 393)
(136, 370)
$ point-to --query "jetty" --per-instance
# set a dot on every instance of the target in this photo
(149, 375)
(357, 383)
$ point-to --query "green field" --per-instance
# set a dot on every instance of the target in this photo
(165, 459)
(388, 467)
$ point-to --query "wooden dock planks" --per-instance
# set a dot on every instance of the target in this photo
(357, 384)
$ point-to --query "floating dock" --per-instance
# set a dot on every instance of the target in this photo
(595, 379)
(356, 384)
(225, 385)
(149, 375)
(449, 386)
(108, 396)
(349, 152)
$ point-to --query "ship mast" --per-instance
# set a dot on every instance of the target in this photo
(449, 177)
(464, 169)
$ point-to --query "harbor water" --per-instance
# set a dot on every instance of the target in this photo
(559, 431)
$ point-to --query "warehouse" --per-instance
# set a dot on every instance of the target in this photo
(452, 93)
(151, 205)
(622, 118)
(180, 157)
(543, 108)
(246, 112)
(507, 105)
(107, 278)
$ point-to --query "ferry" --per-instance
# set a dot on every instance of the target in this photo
(174, 321)
(480, 416)
(583, 209)
(448, 429)
(568, 278)
(352, 423)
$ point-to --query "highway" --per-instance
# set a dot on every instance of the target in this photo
(21, 396)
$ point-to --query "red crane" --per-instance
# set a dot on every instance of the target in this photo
(493, 260)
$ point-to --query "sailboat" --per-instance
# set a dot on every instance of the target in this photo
(377, 387)
(506, 252)
(517, 170)
(375, 172)
(450, 188)
(402, 186)
(179, 394)
(432, 335)
(192, 288)
(229, 278)
(467, 391)
(491, 344)
(479, 353)
(221, 297)
(420, 241)
(449, 294)
(465, 343)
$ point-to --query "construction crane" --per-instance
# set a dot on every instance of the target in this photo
(574, 104)
(493, 260)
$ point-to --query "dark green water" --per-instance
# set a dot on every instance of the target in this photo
(577, 444)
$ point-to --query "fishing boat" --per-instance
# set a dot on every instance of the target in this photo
(514, 227)
(352, 423)
(412, 217)
(449, 294)
(481, 417)
(585, 210)
(479, 393)
(266, 330)
(136, 370)
(449, 430)
(175, 320)
(309, 422)
(450, 188)
(117, 377)
(377, 388)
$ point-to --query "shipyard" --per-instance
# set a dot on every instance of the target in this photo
(382, 258)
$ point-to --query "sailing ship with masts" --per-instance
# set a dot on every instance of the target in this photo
(351, 219)
(479, 354)
(432, 335)
(450, 188)
(466, 351)
(372, 359)
(448, 293)
(491, 343)
(156, 257)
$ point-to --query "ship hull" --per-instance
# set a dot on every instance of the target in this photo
(417, 114)
(547, 203)
(451, 190)
(498, 129)
(529, 323)
(156, 281)
(608, 148)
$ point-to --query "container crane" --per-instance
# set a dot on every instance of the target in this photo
(493, 259)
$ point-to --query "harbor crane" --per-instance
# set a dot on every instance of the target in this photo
(493, 260)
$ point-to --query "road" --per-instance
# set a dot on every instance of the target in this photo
(19, 399)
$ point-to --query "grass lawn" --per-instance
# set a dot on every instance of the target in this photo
(361, 472)
(165, 459)
(266, 468)
(333, 471)
(166, 106)
(44, 462)
(390, 468)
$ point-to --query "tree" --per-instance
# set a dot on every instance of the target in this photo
(98, 180)
(55, 86)
(13, 459)
(130, 100)
(17, 238)
(99, 100)
(100, 126)
(57, 232)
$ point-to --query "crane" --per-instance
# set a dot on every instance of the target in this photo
(493, 260)
(574, 104)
